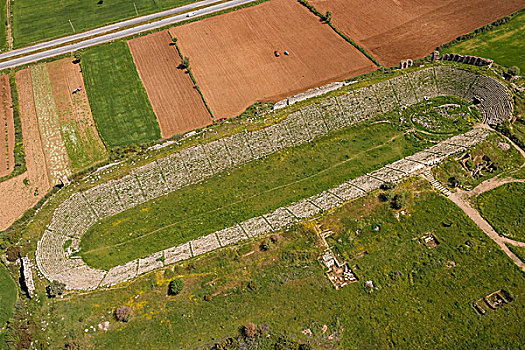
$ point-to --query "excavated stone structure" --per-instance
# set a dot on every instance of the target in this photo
(72, 219)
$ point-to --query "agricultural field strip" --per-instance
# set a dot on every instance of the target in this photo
(195, 164)
(7, 128)
(56, 264)
(54, 148)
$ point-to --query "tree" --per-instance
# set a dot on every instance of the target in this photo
(174, 39)
(123, 313)
(385, 196)
(514, 71)
(185, 62)
(398, 201)
(387, 186)
(13, 253)
(265, 245)
(328, 17)
(176, 286)
(55, 288)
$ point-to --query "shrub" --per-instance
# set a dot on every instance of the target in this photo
(328, 17)
(252, 285)
(265, 245)
(250, 330)
(387, 186)
(13, 253)
(176, 286)
(385, 197)
(207, 297)
(55, 288)
(275, 238)
(398, 201)
(123, 313)
(514, 71)
(185, 62)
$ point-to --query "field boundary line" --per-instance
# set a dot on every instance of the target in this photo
(326, 19)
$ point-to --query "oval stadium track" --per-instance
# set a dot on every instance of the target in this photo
(78, 213)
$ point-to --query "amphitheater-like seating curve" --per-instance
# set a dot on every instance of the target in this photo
(74, 216)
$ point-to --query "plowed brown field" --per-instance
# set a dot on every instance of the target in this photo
(7, 128)
(392, 30)
(232, 55)
(176, 103)
(17, 197)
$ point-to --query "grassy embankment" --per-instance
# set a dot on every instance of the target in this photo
(254, 189)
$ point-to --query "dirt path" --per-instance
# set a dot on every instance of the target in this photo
(461, 200)
(491, 184)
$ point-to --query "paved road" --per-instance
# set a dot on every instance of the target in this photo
(105, 29)
(112, 36)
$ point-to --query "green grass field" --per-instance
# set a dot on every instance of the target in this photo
(39, 20)
(504, 209)
(118, 100)
(520, 252)
(252, 190)
(419, 301)
(3, 25)
(8, 295)
(503, 44)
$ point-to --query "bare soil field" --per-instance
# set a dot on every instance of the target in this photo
(7, 128)
(22, 192)
(392, 30)
(232, 55)
(177, 104)
(79, 132)
(57, 159)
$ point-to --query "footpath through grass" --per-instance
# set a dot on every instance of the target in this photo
(503, 44)
(8, 295)
(419, 302)
(39, 20)
(504, 209)
(118, 100)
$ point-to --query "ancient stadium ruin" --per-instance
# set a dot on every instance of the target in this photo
(78, 213)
